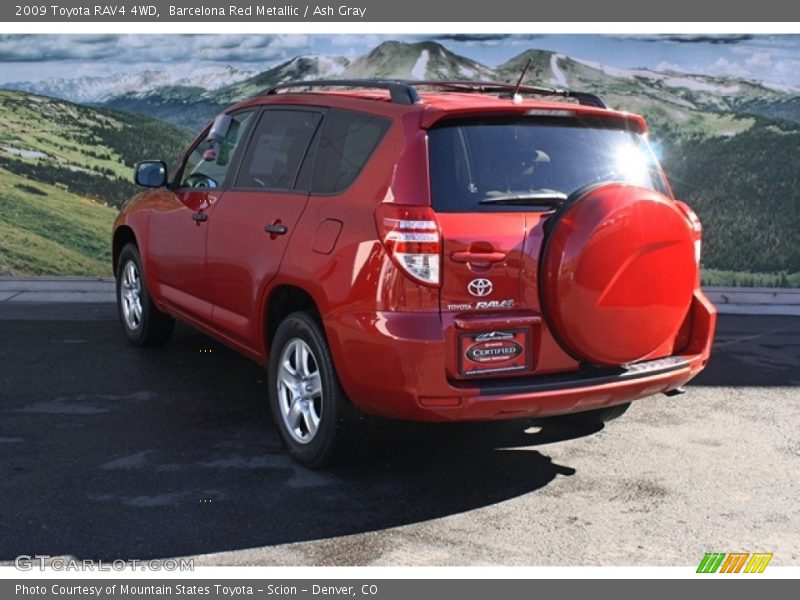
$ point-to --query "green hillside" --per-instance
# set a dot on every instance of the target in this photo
(45, 230)
(188, 107)
(745, 189)
(64, 171)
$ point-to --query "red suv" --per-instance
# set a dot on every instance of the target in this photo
(435, 251)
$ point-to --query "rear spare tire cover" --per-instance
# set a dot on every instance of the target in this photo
(617, 274)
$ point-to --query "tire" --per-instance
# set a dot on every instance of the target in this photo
(317, 422)
(599, 415)
(142, 322)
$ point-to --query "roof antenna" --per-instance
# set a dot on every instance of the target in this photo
(515, 94)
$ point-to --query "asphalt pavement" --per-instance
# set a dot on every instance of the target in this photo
(109, 451)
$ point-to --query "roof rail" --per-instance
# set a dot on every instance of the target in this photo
(484, 87)
(405, 92)
(399, 91)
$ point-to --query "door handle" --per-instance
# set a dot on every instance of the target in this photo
(275, 229)
(199, 216)
(477, 257)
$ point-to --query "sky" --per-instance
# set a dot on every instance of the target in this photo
(770, 58)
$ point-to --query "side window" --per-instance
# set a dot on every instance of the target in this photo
(277, 148)
(207, 165)
(348, 140)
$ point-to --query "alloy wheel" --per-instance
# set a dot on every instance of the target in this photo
(131, 296)
(299, 391)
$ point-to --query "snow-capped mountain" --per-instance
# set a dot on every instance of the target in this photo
(422, 60)
(663, 96)
(92, 90)
(690, 90)
(299, 68)
(212, 78)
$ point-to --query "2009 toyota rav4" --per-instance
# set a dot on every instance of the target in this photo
(426, 251)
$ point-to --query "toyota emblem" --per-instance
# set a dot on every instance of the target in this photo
(480, 287)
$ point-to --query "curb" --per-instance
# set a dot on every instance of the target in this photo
(732, 301)
(57, 289)
(755, 301)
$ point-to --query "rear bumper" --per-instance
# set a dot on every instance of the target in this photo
(395, 365)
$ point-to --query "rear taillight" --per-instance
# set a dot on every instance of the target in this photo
(412, 239)
(697, 228)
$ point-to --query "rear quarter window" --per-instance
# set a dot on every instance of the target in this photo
(347, 141)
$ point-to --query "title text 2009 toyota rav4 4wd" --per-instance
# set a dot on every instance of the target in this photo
(435, 251)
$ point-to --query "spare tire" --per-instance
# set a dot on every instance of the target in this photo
(617, 272)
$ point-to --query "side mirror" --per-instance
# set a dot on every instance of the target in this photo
(151, 173)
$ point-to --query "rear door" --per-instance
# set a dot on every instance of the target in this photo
(482, 242)
(251, 224)
(499, 186)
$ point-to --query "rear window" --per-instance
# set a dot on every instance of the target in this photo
(347, 141)
(494, 165)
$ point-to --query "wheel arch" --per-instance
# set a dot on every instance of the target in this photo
(123, 236)
(282, 300)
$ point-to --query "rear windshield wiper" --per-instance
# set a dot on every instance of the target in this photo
(535, 198)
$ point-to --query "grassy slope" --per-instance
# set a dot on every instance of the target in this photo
(744, 188)
(717, 277)
(57, 233)
(63, 170)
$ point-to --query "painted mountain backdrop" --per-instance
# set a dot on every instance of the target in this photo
(731, 146)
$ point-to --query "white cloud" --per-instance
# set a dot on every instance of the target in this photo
(757, 66)
(760, 60)
(784, 72)
(668, 66)
(151, 48)
(723, 66)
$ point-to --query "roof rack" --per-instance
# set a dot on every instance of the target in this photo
(399, 91)
(404, 92)
(508, 89)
